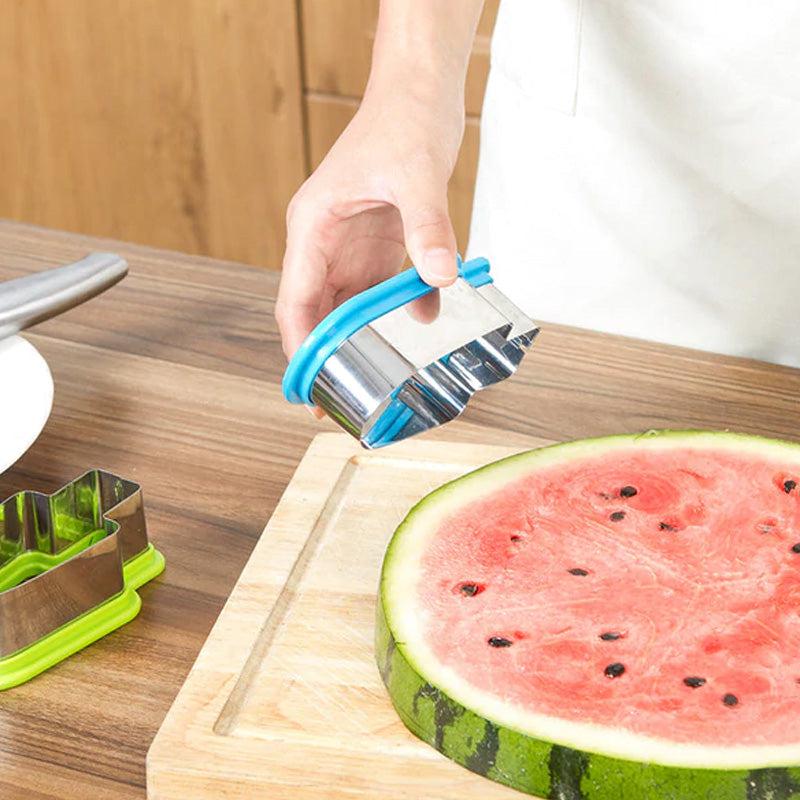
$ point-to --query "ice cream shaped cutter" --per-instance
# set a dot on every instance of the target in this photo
(384, 375)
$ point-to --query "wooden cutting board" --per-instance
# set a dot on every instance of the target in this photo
(285, 701)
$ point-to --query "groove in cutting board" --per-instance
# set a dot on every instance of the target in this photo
(331, 617)
(226, 724)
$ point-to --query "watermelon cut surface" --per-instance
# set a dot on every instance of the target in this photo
(611, 618)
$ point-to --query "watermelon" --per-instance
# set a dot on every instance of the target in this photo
(609, 619)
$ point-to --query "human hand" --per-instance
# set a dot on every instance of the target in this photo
(380, 192)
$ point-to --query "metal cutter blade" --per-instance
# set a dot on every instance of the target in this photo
(396, 376)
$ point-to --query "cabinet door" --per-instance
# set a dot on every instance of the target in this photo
(173, 123)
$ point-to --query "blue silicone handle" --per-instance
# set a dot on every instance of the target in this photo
(354, 314)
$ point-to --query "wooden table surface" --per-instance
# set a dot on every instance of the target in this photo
(172, 379)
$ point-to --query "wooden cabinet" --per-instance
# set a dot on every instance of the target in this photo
(182, 124)
(171, 123)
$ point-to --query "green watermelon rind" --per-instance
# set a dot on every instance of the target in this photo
(544, 763)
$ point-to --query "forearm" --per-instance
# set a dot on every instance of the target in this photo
(424, 46)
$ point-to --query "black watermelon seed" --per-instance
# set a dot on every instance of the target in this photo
(610, 636)
(470, 589)
(694, 682)
(665, 526)
(628, 491)
(789, 485)
(617, 516)
(578, 571)
(515, 538)
(730, 700)
(614, 670)
(796, 548)
(499, 641)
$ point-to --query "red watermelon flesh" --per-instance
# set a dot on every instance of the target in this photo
(657, 592)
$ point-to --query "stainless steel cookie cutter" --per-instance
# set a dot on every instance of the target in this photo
(383, 375)
(69, 566)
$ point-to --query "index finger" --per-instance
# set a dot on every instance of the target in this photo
(301, 289)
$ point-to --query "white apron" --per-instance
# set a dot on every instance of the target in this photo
(640, 169)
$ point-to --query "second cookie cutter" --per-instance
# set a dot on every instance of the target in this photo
(70, 564)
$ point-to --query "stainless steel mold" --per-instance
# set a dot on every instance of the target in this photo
(99, 520)
(383, 375)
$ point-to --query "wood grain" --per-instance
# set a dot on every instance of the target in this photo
(287, 676)
(172, 379)
(337, 48)
(328, 115)
(174, 124)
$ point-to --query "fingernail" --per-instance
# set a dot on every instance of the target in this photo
(439, 264)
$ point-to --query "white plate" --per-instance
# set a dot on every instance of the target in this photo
(26, 397)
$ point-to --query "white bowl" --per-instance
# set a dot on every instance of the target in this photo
(26, 397)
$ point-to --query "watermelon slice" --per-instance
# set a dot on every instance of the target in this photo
(615, 618)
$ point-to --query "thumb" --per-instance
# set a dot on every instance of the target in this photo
(429, 236)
